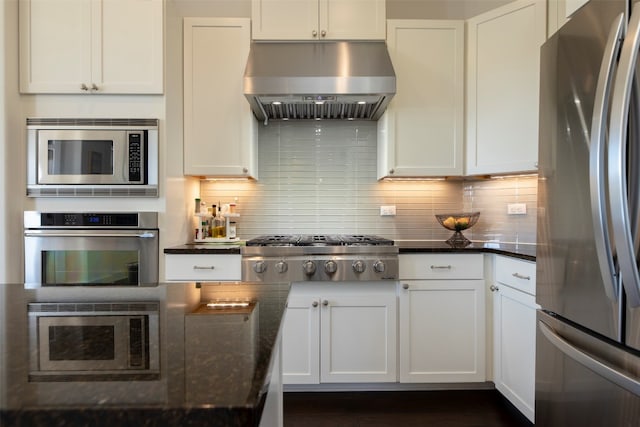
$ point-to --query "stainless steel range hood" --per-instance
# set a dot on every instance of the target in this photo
(319, 80)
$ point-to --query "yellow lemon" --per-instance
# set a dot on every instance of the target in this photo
(449, 222)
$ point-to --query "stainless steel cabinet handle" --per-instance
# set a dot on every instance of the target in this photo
(617, 162)
(441, 267)
(405, 286)
(597, 160)
(494, 288)
(203, 267)
(314, 304)
(521, 276)
(325, 302)
(628, 383)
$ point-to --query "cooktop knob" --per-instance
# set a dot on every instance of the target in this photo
(260, 267)
(281, 267)
(379, 266)
(359, 266)
(330, 267)
(309, 268)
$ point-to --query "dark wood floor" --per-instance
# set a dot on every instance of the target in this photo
(465, 408)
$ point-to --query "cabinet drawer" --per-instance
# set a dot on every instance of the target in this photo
(441, 266)
(202, 268)
(516, 273)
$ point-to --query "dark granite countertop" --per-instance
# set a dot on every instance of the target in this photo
(215, 367)
(526, 251)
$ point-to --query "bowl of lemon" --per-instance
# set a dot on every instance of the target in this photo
(457, 222)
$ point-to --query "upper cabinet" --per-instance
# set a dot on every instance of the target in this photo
(220, 132)
(318, 19)
(421, 133)
(97, 46)
(503, 88)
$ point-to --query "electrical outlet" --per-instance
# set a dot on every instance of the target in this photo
(516, 209)
(388, 210)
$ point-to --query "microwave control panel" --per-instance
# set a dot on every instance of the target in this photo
(135, 154)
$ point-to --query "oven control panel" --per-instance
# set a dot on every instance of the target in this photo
(89, 219)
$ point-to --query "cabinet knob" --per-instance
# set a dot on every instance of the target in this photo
(405, 286)
(314, 304)
(84, 87)
(314, 33)
(245, 170)
(325, 302)
(323, 33)
(94, 87)
(392, 171)
(494, 288)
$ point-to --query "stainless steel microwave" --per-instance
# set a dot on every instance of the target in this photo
(93, 341)
(92, 157)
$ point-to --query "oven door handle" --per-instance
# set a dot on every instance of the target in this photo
(143, 235)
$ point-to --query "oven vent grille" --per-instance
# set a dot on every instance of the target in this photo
(91, 191)
(91, 122)
(88, 307)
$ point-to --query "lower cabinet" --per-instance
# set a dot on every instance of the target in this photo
(514, 333)
(442, 333)
(343, 333)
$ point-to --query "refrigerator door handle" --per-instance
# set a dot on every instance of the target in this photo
(617, 170)
(610, 373)
(597, 160)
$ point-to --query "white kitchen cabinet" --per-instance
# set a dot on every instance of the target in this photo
(220, 132)
(421, 133)
(442, 318)
(503, 88)
(97, 46)
(343, 333)
(318, 19)
(203, 268)
(514, 334)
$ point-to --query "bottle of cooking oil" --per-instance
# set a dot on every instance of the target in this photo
(219, 225)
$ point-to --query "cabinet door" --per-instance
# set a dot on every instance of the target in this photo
(514, 323)
(127, 52)
(358, 338)
(503, 88)
(301, 340)
(352, 19)
(55, 45)
(421, 133)
(284, 19)
(220, 132)
(442, 333)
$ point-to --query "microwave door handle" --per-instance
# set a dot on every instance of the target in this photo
(597, 160)
(617, 170)
(144, 235)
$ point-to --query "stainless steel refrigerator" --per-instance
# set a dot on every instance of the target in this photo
(588, 285)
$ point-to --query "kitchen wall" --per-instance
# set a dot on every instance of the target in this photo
(320, 177)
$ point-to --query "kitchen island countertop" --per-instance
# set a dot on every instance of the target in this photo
(215, 367)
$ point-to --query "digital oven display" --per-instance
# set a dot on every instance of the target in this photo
(89, 219)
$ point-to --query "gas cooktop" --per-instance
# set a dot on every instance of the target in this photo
(320, 240)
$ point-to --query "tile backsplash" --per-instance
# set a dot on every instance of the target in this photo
(320, 177)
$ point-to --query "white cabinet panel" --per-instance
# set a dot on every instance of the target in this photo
(318, 19)
(421, 133)
(220, 132)
(342, 333)
(202, 268)
(503, 88)
(442, 331)
(98, 46)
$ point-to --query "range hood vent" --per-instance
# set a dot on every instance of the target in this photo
(319, 80)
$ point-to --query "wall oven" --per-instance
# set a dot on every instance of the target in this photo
(92, 157)
(90, 249)
(93, 341)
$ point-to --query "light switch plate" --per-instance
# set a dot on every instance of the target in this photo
(388, 210)
(517, 209)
